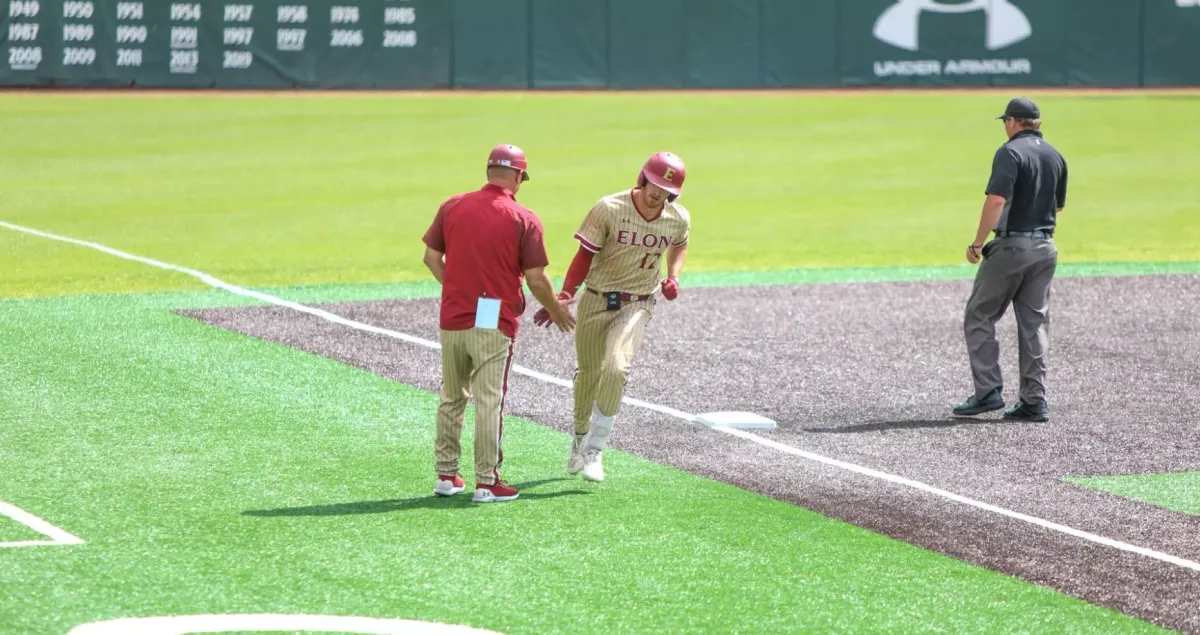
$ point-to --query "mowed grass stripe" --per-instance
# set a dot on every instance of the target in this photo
(213, 473)
(368, 291)
(269, 191)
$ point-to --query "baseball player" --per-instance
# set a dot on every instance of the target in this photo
(623, 242)
(481, 246)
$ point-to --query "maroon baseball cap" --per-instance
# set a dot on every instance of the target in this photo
(510, 156)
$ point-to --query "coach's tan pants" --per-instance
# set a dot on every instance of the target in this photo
(475, 363)
(605, 345)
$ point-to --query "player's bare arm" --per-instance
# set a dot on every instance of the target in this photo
(436, 261)
(542, 289)
(676, 254)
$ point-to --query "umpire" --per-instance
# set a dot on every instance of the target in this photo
(1027, 189)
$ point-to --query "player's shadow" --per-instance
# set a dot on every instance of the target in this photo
(912, 424)
(459, 501)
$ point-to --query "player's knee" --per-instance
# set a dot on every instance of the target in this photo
(615, 367)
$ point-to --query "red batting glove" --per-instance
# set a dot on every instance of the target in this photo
(542, 317)
(670, 288)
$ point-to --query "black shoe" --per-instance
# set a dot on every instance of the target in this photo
(1027, 412)
(974, 406)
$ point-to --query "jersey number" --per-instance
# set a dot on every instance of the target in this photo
(650, 260)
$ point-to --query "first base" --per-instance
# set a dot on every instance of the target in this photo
(734, 420)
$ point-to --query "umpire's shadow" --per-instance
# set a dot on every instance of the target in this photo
(461, 500)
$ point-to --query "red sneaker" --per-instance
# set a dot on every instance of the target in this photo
(494, 493)
(448, 485)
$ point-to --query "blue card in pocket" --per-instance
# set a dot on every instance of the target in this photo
(487, 313)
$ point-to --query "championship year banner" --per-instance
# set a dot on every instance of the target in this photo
(206, 43)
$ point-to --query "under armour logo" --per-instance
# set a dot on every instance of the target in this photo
(669, 174)
(1006, 24)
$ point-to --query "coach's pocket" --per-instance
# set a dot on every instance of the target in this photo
(988, 249)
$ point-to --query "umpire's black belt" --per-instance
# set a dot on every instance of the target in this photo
(1034, 234)
(625, 297)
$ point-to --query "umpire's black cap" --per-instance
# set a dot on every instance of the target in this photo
(1021, 108)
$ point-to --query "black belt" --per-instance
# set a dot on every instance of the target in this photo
(625, 297)
(1033, 234)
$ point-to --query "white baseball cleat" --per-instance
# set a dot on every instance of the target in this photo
(575, 460)
(448, 485)
(593, 467)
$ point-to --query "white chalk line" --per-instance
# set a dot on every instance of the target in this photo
(742, 434)
(57, 536)
(270, 622)
(900, 480)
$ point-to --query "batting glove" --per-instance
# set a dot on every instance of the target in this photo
(670, 288)
(542, 317)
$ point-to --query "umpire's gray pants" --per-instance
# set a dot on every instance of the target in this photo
(1015, 270)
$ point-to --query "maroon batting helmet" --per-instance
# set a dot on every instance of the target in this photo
(510, 156)
(666, 171)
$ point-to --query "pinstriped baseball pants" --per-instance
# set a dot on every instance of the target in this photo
(475, 364)
(605, 344)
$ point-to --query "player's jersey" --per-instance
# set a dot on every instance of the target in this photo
(629, 249)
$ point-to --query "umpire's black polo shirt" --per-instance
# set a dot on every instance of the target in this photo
(1032, 177)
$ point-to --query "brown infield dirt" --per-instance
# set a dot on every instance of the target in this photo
(866, 373)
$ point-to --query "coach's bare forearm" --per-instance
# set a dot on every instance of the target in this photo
(543, 290)
(436, 263)
(675, 258)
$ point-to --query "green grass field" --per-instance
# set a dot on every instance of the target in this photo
(275, 191)
(212, 473)
(1178, 492)
(276, 481)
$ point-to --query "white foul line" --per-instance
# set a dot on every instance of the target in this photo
(56, 535)
(742, 434)
(900, 480)
(269, 622)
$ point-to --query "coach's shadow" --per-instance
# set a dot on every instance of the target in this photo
(879, 426)
(459, 501)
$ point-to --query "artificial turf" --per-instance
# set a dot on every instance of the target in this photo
(213, 473)
(1178, 491)
(266, 190)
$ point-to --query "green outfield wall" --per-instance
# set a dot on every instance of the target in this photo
(519, 44)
